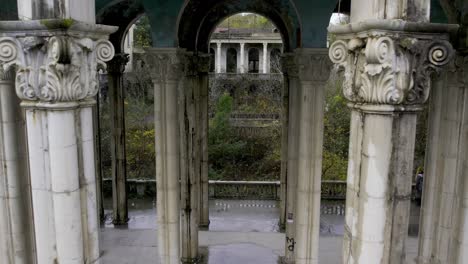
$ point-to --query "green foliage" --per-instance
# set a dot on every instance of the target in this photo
(247, 20)
(336, 133)
(142, 33)
(140, 153)
(236, 157)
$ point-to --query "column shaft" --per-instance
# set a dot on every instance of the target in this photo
(203, 126)
(53, 153)
(265, 58)
(167, 77)
(16, 229)
(284, 152)
(118, 148)
(443, 236)
(379, 217)
(189, 103)
(314, 68)
(293, 145)
(242, 58)
(90, 199)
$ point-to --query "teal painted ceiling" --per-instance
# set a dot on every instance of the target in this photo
(304, 22)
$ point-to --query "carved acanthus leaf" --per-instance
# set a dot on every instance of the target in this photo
(388, 69)
(55, 69)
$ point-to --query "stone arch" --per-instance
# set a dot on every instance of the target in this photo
(122, 14)
(199, 18)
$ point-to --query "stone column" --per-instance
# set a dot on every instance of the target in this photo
(387, 80)
(168, 65)
(284, 148)
(56, 79)
(115, 70)
(16, 229)
(242, 58)
(314, 70)
(443, 232)
(290, 72)
(218, 57)
(203, 67)
(265, 57)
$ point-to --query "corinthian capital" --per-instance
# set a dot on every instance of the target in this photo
(390, 63)
(166, 64)
(55, 64)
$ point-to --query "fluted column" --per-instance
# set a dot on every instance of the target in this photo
(115, 70)
(387, 81)
(56, 79)
(168, 78)
(314, 70)
(443, 230)
(290, 71)
(16, 229)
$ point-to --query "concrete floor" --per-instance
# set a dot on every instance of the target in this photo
(240, 232)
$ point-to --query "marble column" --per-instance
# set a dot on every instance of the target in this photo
(115, 70)
(203, 63)
(16, 229)
(443, 231)
(218, 57)
(290, 72)
(314, 69)
(56, 79)
(242, 58)
(392, 86)
(168, 72)
(265, 58)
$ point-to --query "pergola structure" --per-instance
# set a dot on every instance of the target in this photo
(396, 60)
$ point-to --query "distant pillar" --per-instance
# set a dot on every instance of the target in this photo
(218, 57)
(242, 58)
(313, 72)
(57, 81)
(16, 225)
(168, 78)
(265, 57)
(116, 68)
(392, 86)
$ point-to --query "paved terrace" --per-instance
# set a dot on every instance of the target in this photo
(241, 231)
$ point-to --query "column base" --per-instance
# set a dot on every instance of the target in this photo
(118, 222)
(204, 226)
(197, 260)
(283, 260)
(282, 227)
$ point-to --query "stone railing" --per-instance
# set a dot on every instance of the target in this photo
(261, 190)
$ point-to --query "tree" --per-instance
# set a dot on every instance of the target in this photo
(142, 33)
